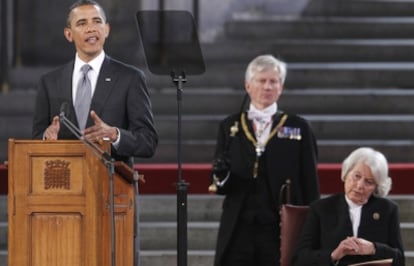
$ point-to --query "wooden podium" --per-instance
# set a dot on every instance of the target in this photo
(58, 206)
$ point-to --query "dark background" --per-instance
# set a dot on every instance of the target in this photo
(39, 32)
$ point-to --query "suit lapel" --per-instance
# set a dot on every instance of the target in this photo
(250, 125)
(104, 86)
(66, 90)
(369, 216)
(276, 119)
(66, 82)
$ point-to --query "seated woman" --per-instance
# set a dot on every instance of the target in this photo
(357, 225)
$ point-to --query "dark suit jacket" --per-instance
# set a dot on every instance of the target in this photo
(328, 223)
(283, 159)
(121, 99)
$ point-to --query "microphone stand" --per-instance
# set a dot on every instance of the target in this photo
(110, 165)
(181, 184)
(137, 246)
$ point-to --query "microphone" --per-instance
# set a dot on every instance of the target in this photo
(64, 112)
(64, 109)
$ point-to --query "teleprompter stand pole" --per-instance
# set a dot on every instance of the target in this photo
(172, 48)
(181, 185)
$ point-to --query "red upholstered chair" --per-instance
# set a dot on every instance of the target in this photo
(292, 218)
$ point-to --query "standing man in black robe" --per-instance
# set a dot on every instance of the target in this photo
(257, 153)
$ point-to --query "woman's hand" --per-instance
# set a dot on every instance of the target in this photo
(353, 246)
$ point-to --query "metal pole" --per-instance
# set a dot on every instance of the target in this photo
(4, 45)
(196, 12)
(181, 184)
(161, 5)
(111, 172)
(137, 246)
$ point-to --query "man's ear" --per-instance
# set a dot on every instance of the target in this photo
(68, 34)
(247, 86)
(107, 29)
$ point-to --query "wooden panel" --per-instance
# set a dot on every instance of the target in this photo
(56, 239)
(122, 239)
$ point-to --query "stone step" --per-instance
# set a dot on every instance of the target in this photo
(169, 257)
(306, 76)
(207, 208)
(292, 49)
(203, 258)
(3, 234)
(253, 26)
(310, 50)
(200, 128)
(367, 75)
(203, 236)
(3, 258)
(200, 208)
(3, 208)
(32, 48)
(158, 228)
(3, 230)
(201, 101)
(366, 8)
(326, 127)
(334, 151)
(19, 104)
(163, 235)
(330, 151)
(364, 127)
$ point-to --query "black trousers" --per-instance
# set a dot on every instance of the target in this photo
(254, 244)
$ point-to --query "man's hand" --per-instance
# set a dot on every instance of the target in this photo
(221, 166)
(100, 130)
(51, 133)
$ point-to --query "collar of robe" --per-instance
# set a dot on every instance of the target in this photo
(252, 139)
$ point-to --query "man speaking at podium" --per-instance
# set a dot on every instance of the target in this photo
(105, 98)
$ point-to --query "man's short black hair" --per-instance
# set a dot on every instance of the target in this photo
(84, 3)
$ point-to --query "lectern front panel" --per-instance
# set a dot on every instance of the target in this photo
(58, 207)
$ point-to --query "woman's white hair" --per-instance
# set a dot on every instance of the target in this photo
(378, 164)
(264, 63)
